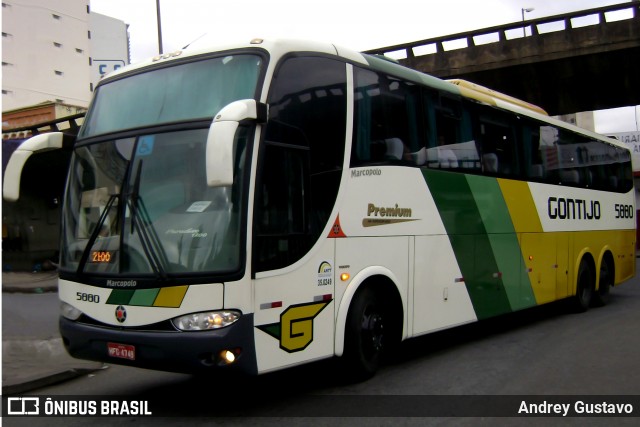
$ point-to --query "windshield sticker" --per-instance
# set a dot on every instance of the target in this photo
(195, 232)
(145, 145)
(198, 206)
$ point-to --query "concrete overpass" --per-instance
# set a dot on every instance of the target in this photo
(592, 62)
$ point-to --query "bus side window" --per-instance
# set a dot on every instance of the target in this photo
(387, 128)
(447, 130)
(282, 194)
(499, 145)
(451, 141)
(534, 165)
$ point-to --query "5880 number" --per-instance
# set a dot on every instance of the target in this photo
(81, 296)
(623, 211)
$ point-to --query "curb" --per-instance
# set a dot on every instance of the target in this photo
(47, 380)
(46, 363)
(29, 283)
(21, 289)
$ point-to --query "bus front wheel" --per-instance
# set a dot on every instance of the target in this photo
(366, 334)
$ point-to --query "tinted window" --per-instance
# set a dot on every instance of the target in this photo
(387, 128)
(452, 145)
(301, 160)
(187, 91)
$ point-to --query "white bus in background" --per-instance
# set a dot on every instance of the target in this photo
(632, 140)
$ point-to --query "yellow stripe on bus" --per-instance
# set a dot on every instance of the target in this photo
(522, 209)
(171, 296)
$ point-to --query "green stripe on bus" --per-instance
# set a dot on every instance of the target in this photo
(120, 296)
(144, 297)
(157, 297)
(501, 232)
(463, 221)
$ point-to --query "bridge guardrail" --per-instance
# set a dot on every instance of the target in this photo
(437, 44)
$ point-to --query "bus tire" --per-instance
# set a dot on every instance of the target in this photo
(584, 287)
(601, 296)
(366, 333)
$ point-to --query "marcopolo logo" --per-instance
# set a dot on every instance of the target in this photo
(357, 173)
(122, 283)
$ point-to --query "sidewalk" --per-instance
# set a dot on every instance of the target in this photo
(31, 362)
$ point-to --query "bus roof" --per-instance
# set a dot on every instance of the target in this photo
(484, 94)
(280, 47)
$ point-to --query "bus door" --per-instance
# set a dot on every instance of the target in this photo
(299, 170)
(294, 313)
(295, 288)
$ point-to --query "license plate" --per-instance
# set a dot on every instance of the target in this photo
(122, 351)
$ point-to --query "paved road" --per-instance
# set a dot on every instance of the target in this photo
(32, 352)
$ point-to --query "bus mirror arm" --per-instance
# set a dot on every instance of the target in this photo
(13, 172)
(219, 153)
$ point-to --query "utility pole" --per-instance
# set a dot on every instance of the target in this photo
(159, 27)
(525, 9)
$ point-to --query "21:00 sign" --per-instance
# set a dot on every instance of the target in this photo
(101, 256)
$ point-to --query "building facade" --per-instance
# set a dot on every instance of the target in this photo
(55, 51)
(48, 74)
(45, 52)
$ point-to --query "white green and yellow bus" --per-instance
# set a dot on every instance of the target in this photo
(272, 203)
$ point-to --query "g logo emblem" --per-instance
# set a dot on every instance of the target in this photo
(295, 330)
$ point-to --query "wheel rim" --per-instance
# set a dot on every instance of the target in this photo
(585, 292)
(585, 288)
(372, 332)
(605, 283)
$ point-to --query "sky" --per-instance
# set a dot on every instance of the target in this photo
(354, 24)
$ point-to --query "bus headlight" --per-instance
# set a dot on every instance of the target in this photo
(206, 321)
(68, 311)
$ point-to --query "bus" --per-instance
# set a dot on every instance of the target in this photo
(272, 203)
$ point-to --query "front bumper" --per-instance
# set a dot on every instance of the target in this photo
(186, 352)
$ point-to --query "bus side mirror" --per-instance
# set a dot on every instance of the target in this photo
(37, 144)
(219, 154)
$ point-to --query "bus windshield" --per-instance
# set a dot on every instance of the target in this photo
(187, 91)
(139, 204)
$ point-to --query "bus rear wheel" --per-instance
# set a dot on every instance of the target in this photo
(366, 335)
(584, 287)
(601, 296)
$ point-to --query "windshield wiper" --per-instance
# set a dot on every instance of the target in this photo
(134, 194)
(149, 240)
(141, 221)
